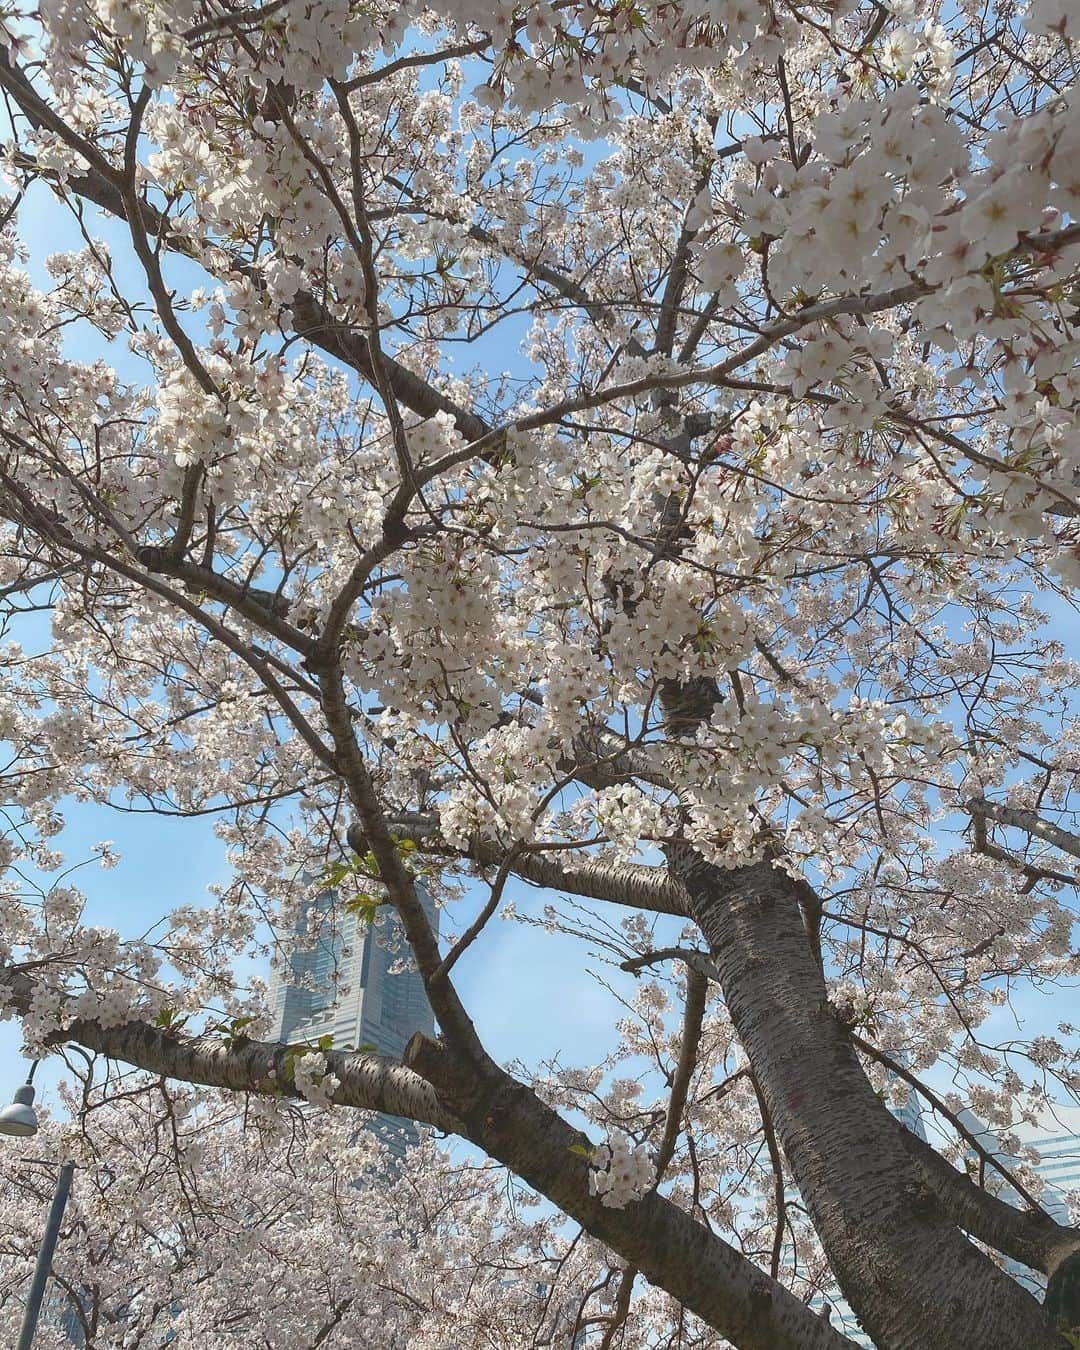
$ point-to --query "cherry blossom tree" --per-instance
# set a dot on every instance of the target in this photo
(195, 1219)
(627, 448)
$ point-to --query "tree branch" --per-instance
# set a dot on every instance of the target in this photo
(958, 1125)
(263, 608)
(778, 1179)
(631, 884)
(715, 1282)
(697, 987)
(509, 1122)
(1031, 1237)
(372, 1082)
(102, 184)
(1020, 818)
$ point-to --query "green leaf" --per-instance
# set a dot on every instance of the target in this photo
(364, 906)
(234, 1031)
(582, 1150)
(170, 1020)
(1071, 1334)
(336, 874)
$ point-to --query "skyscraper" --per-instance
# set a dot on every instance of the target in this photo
(1055, 1136)
(337, 980)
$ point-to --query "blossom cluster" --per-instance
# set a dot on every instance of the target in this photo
(599, 433)
(620, 1171)
(313, 1080)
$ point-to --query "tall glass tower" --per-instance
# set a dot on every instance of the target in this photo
(338, 980)
(1056, 1136)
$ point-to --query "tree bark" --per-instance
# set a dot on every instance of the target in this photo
(1033, 1238)
(913, 1279)
(1030, 822)
(482, 1103)
(509, 1122)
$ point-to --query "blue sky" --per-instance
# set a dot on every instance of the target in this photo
(526, 989)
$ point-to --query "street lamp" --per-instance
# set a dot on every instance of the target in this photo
(44, 1257)
(20, 1118)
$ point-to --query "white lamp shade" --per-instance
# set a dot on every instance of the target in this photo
(20, 1118)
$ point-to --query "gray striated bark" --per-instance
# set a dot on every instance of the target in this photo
(1030, 822)
(1034, 1239)
(631, 884)
(913, 1278)
(710, 1278)
(371, 1082)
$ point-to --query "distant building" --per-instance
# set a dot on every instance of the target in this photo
(910, 1115)
(337, 981)
(1055, 1135)
(59, 1312)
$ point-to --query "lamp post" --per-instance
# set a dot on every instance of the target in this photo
(20, 1119)
(45, 1256)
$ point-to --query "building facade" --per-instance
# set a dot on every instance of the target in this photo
(337, 979)
(1055, 1136)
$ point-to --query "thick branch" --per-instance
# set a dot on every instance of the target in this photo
(264, 608)
(1033, 1238)
(653, 1235)
(986, 846)
(909, 1273)
(371, 1082)
(1020, 818)
(988, 1158)
(602, 758)
(630, 884)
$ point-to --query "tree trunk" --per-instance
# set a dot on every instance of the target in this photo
(911, 1276)
(671, 1249)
